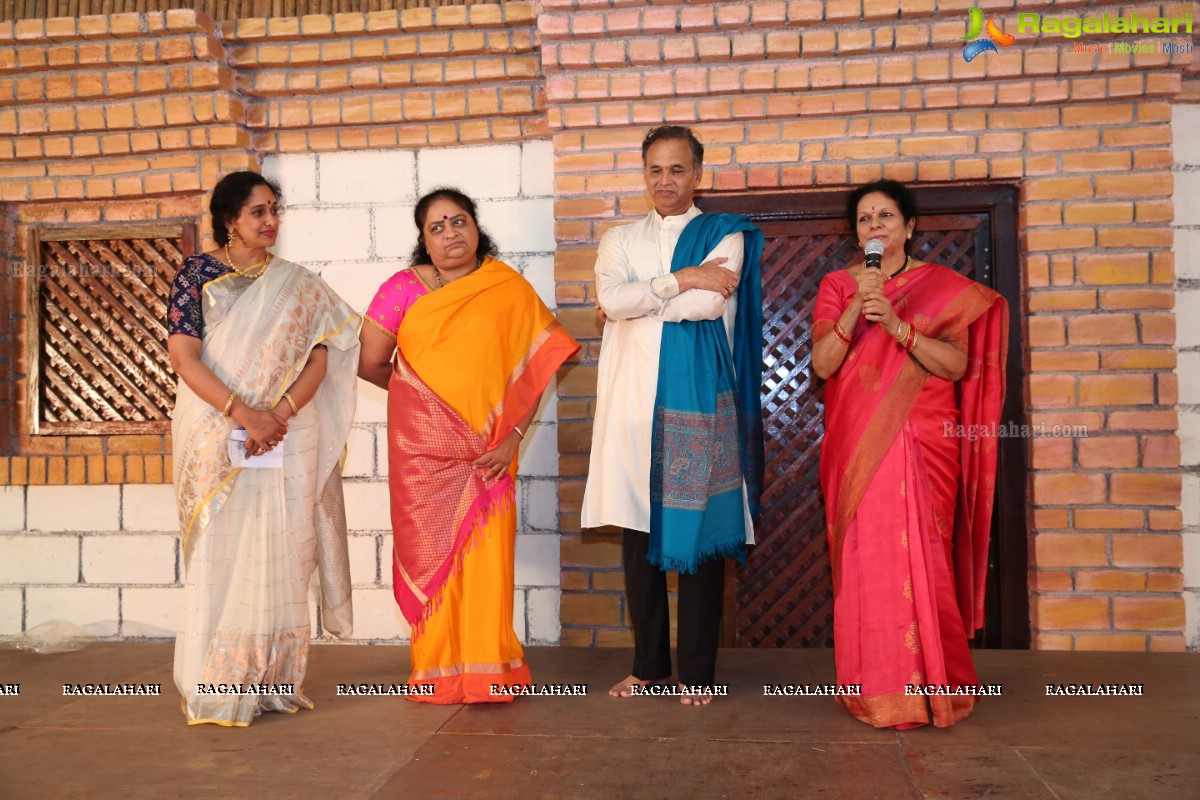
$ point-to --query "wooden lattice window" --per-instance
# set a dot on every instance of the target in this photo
(96, 332)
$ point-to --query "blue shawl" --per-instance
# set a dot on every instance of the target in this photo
(708, 434)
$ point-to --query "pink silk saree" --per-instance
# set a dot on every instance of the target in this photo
(908, 501)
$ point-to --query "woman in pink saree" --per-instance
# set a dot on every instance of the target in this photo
(910, 351)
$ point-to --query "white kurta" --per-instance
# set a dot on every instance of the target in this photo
(638, 293)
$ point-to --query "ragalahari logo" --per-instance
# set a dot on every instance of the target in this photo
(975, 26)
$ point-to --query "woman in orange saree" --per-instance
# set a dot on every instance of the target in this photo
(474, 349)
(913, 354)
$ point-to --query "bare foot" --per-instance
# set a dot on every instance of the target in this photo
(689, 698)
(625, 687)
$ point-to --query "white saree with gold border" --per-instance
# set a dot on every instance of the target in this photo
(253, 537)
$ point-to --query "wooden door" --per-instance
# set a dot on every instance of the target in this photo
(783, 596)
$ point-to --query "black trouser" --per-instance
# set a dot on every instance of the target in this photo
(699, 610)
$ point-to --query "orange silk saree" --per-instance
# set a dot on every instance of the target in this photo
(472, 359)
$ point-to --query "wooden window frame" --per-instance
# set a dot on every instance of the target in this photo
(185, 232)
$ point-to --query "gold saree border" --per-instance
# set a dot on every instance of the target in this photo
(897, 708)
(203, 505)
(283, 385)
(469, 668)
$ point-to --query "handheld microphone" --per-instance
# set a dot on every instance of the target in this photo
(874, 254)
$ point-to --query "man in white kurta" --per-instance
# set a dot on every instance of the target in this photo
(637, 293)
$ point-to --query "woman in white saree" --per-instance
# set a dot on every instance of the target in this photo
(266, 353)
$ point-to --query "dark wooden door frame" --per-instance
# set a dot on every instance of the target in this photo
(1008, 589)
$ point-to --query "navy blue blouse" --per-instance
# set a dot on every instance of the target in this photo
(184, 309)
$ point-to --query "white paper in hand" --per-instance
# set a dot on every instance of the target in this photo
(272, 459)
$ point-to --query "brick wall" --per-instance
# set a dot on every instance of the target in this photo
(217, 9)
(419, 77)
(134, 117)
(795, 95)
(112, 119)
(1185, 121)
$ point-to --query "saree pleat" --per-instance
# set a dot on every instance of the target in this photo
(905, 501)
(472, 359)
(253, 537)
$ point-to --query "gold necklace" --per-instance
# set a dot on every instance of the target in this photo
(437, 275)
(907, 264)
(249, 272)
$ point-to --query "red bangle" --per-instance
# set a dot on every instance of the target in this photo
(912, 338)
(838, 332)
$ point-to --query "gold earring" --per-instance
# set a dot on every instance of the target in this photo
(233, 237)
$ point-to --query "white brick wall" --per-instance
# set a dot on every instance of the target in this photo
(377, 617)
(93, 608)
(395, 234)
(327, 234)
(108, 557)
(540, 505)
(11, 610)
(368, 505)
(73, 508)
(484, 173)
(544, 621)
(360, 453)
(39, 559)
(519, 613)
(364, 559)
(12, 508)
(148, 613)
(149, 507)
(355, 210)
(1184, 122)
(537, 559)
(356, 179)
(130, 559)
(297, 179)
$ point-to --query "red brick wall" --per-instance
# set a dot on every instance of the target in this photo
(134, 117)
(419, 77)
(111, 119)
(796, 95)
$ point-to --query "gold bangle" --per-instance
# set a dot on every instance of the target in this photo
(520, 432)
(287, 396)
(228, 409)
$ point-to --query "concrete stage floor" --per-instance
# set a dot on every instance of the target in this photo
(1021, 745)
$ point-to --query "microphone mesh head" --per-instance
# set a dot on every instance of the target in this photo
(874, 248)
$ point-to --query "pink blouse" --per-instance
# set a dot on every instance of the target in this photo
(394, 298)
